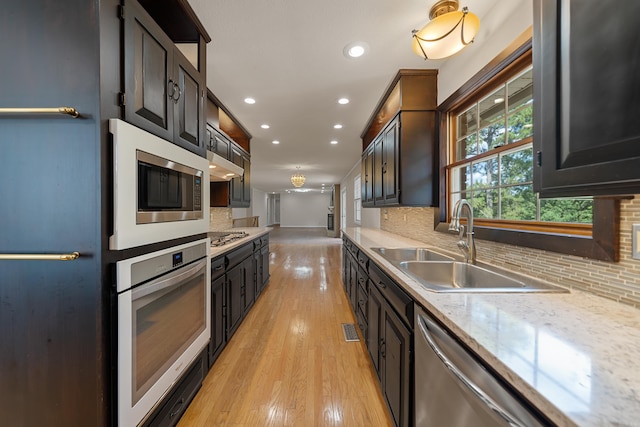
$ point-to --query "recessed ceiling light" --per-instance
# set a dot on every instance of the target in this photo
(212, 166)
(337, 126)
(264, 126)
(276, 142)
(355, 49)
(343, 101)
(250, 100)
(334, 142)
(498, 100)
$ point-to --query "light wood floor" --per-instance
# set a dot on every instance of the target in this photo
(288, 363)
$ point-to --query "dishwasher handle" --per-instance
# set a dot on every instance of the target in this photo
(470, 385)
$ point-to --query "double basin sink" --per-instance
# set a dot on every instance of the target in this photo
(442, 273)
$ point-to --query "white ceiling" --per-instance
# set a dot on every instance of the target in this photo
(288, 55)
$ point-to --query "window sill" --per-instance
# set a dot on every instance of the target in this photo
(603, 245)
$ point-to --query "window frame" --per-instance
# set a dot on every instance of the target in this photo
(357, 199)
(602, 243)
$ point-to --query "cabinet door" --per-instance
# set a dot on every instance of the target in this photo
(390, 156)
(587, 95)
(346, 269)
(236, 185)
(235, 298)
(378, 171)
(367, 177)
(249, 283)
(375, 312)
(246, 183)
(264, 265)
(396, 363)
(148, 60)
(189, 105)
(221, 146)
(353, 284)
(218, 305)
(257, 270)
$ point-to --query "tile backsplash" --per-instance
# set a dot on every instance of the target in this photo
(220, 219)
(617, 281)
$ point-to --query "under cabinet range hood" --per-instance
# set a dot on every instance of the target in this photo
(221, 169)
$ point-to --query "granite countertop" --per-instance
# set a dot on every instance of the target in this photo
(575, 356)
(253, 233)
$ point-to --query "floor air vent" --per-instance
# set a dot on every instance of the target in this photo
(350, 332)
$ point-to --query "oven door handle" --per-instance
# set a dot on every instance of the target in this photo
(169, 280)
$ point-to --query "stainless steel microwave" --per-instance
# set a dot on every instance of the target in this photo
(160, 189)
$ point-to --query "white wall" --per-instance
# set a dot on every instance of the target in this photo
(259, 206)
(370, 217)
(498, 29)
(304, 209)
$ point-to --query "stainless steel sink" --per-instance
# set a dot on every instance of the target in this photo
(452, 276)
(411, 254)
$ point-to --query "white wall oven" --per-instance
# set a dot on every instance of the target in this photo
(161, 191)
(163, 323)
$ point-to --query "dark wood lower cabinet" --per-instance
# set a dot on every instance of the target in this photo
(384, 312)
(236, 281)
(235, 298)
(395, 366)
(170, 410)
(218, 330)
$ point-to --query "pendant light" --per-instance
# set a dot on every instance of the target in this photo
(297, 179)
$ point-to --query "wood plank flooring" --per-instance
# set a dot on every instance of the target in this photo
(288, 364)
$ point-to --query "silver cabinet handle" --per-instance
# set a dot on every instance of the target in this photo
(484, 397)
(41, 257)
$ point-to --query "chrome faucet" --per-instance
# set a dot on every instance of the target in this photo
(468, 248)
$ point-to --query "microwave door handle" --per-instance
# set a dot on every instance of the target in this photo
(168, 280)
(470, 385)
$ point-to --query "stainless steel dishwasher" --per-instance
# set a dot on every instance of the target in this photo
(454, 389)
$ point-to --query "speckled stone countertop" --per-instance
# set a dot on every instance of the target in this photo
(575, 356)
(253, 232)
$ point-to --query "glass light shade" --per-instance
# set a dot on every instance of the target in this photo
(441, 47)
(297, 179)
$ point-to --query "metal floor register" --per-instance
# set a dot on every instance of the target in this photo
(350, 332)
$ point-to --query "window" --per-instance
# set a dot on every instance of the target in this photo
(492, 164)
(489, 161)
(357, 195)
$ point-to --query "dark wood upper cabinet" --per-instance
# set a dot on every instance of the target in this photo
(366, 177)
(400, 152)
(163, 91)
(587, 92)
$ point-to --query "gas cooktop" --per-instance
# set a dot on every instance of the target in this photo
(221, 238)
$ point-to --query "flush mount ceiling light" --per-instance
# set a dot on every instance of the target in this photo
(448, 31)
(297, 179)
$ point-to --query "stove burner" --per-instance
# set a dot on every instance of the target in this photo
(221, 238)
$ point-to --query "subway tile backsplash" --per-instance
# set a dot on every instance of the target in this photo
(617, 281)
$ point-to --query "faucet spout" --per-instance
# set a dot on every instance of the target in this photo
(468, 248)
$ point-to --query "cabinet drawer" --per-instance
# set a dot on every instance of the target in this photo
(217, 268)
(238, 255)
(172, 409)
(363, 261)
(397, 298)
